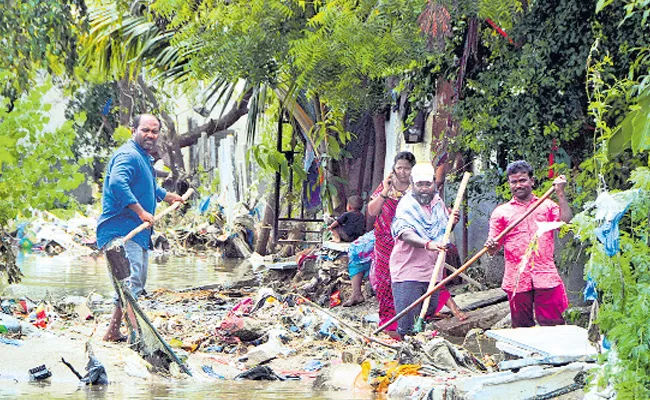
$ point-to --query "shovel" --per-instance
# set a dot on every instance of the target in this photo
(440, 261)
(469, 262)
(116, 254)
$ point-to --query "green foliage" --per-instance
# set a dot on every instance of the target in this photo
(269, 160)
(618, 106)
(38, 167)
(523, 96)
(347, 43)
(121, 135)
(624, 281)
(93, 139)
(331, 49)
(121, 40)
(38, 35)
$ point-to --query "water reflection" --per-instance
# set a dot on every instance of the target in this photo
(67, 275)
(244, 390)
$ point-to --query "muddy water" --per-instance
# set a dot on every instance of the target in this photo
(195, 390)
(62, 275)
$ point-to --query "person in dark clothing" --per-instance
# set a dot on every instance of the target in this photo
(351, 224)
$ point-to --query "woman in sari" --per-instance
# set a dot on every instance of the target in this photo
(383, 204)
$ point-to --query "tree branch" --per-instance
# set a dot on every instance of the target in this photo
(214, 127)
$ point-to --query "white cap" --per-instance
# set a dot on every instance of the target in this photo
(423, 172)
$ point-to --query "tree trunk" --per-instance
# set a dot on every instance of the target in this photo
(368, 174)
(379, 123)
(127, 103)
(262, 243)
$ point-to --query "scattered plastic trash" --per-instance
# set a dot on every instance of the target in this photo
(205, 204)
(313, 365)
(39, 373)
(590, 292)
(84, 312)
(371, 318)
(11, 342)
(243, 307)
(610, 209)
(210, 372)
(9, 324)
(335, 299)
(327, 330)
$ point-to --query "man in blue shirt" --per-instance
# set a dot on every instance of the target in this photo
(129, 198)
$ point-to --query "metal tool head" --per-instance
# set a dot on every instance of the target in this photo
(118, 263)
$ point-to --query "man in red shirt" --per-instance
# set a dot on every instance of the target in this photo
(530, 279)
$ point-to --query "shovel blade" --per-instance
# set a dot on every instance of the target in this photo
(118, 263)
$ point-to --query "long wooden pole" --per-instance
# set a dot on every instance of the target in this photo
(469, 262)
(440, 261)
(158, 216)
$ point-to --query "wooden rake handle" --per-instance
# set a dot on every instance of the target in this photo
(440, 261)
(469, 262)
(158, 216)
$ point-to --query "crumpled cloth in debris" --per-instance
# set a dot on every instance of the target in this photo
(379, 376)
(261, 373)
(96, 374)
(360, 254)
(447, 357)
(610, 209)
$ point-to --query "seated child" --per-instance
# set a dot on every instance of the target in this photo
(351, 224)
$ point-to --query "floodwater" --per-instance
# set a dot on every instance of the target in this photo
(64, 275)
(243, 390)
(67, 275)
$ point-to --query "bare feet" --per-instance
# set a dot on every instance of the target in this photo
(458, 313)
(115, 339)
(461, 315)
(113, 333)
(394, 335)
(354, 300)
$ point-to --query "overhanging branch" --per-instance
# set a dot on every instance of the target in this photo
(220, 127)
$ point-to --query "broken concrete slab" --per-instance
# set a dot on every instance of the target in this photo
(341, 247)
(529, 382)
(553, 360)
(474, 300)
(547, 341)
(420, 387)
(282, 265)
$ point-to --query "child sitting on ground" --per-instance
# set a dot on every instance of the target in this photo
(351, 224)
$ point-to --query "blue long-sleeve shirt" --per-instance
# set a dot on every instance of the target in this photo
(129, 179)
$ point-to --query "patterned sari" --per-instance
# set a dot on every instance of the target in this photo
(380, 270)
